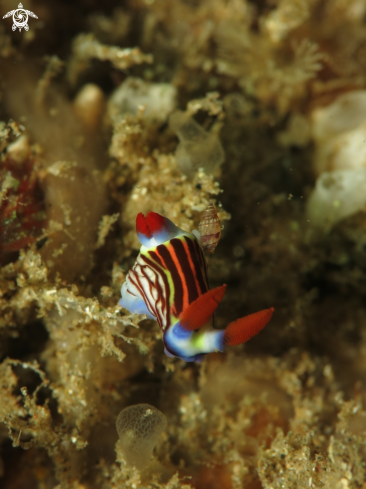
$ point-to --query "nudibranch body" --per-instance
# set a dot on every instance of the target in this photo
(168, 283)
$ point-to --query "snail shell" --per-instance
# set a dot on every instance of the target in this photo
(210, 229)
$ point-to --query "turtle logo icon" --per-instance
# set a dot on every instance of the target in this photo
(20, 17)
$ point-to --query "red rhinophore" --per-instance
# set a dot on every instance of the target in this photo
(199, 311)
(155, 222)
(243, 329)
(141, 226)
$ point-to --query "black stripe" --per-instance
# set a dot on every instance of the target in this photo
(188, 273)
(199, 264)
(176, 278)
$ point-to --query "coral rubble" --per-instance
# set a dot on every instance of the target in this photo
(108, 110)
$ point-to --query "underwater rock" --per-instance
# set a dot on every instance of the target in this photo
(269, 415)
(138, 428)
(197, 148)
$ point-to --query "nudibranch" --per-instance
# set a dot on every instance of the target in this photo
(168, 283)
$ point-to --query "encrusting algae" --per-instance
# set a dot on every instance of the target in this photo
(113, 110)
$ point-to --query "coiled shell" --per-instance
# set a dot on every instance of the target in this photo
(209, 229)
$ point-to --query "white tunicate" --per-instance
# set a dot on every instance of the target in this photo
(339, 133)
(346, 151)
(158, 98)
(139, 427)
(197, 147)
(344, 114)
(337, 195)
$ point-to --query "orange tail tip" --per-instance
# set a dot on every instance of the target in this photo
(199, 311)
(243, 329)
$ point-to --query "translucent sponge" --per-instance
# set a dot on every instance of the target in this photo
(139, 427)
(197, 147)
